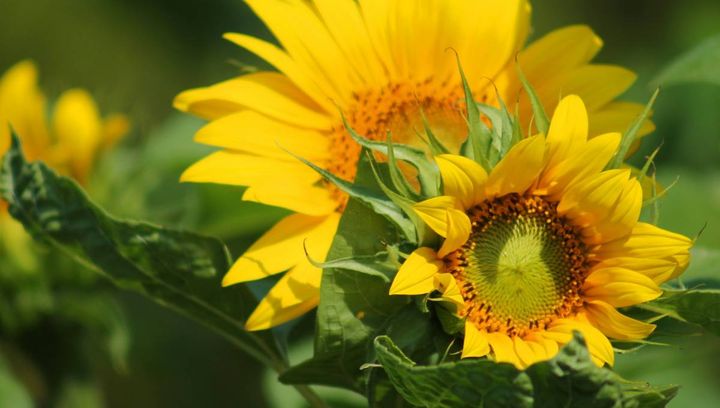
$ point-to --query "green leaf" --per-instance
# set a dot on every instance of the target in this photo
(102, 317)
(467, 383)
(631, 133)
(570, 379)
(697, 65)
(416, 333)
(177, 269)
(697, 306)
(381, 393)
(354, 307)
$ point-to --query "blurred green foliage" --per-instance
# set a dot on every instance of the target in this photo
(136, 55)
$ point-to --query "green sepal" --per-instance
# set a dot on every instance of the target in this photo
(631, 134)
(479, 137)
(502, 131)
(422, 234)
(377, 202)
(383, 264)
(542, 123)
(451, 323)
(396, 176)
(434, 144)
(428, 172)
(645, 169)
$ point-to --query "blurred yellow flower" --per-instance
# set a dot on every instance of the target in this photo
(76, 134)
(380, 62)
(545, 244)
(70, 143)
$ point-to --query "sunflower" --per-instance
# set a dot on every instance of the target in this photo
(70, 143)
(383, 63)
(545, 244)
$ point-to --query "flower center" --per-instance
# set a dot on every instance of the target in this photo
(522, 266)
(397, 108)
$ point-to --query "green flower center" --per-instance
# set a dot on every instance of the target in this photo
(521, 267)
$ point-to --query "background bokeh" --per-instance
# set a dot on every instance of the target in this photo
(134, 56)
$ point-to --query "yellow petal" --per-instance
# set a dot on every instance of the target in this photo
(115, 127)
(620, 287)
(549, 62)
(344, 22)
(568, 129)
(302, 198)
(434, 212)
(560, 50)
(527, 355)
(283, 247)
(543, 347)
(647, 241)
(659, 270)
(269, 93)
(486, 34)
(241, 169)
(445, 283)
(475, 343)
(22, 105)
(254, 133)
(305, 37)
(617, 117)
(79, 129)
(416, 275)
(614, 324)
(504, 349)
(598, 345)
(458, 232)
(375, 13)
(304, 79)
(517, 171)
(598, 84)
(587, 161)
(606, 206)
(295, 294)
(626, 212)
(462, 178)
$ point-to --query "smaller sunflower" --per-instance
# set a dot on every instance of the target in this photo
(546, 244)
(70, 143)
(76, 134)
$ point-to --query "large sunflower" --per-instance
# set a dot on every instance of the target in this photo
(382, 63)
(545, 244)
(70, 143)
